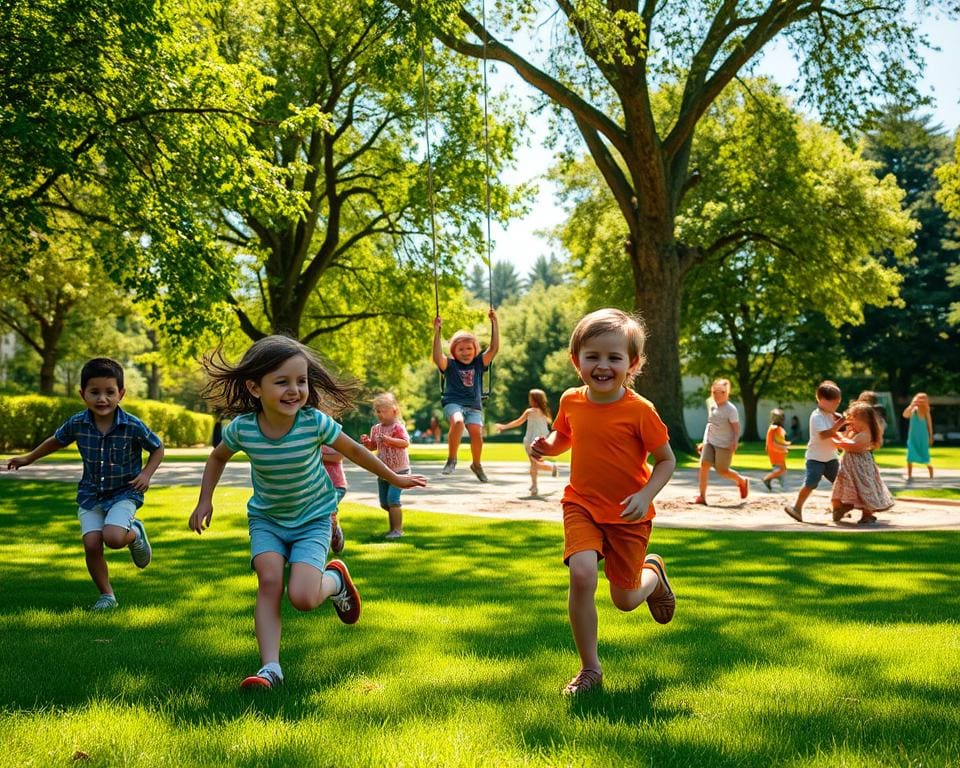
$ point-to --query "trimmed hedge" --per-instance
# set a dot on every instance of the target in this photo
(27, 420)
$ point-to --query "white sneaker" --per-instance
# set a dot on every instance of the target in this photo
(105, 603)
(140, 549)
(265, 678)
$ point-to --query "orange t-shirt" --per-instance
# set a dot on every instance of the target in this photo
(609, 447)
(776, 444)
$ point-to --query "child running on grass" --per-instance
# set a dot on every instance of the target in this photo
(821, 455)
(777, 445)
(111, 443)
(720, 440)
(607, 506)
(858, 484)
(276, 392)
(389, 438)
(462, 398)
(537, 418)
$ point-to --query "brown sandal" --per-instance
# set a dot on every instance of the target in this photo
(586, 679)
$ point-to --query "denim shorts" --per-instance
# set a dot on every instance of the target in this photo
(817, 469)
(470, 415)
(308, 543)
(120, 514)
(390, 494)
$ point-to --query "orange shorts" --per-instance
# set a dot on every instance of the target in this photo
(622, 546)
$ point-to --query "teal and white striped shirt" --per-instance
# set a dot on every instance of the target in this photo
(290, 485)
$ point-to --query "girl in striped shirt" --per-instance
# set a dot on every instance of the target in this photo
(280, 395)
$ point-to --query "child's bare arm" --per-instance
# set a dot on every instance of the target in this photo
(438, 358)
(142, 481)
(551, 445)
(212, 470)
(515, 423)
(45, 448)
(494, 338)
(637, 504)
(363, 458)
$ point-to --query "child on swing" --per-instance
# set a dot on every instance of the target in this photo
(276, 392)
(608, 504)
(537, 418)
(463, 389)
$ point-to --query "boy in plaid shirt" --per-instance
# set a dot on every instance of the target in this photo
(111, 488)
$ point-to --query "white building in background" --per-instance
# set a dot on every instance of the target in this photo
(8, 346)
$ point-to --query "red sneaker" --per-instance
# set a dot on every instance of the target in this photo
(265, 679)
(744, 487)
(347, 600)
(700, 500)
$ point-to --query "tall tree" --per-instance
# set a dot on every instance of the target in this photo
(913, 345)
(341, 127)
(59, 303)
(600, 67)
(949, 197)
(790, 221)
(546, 271)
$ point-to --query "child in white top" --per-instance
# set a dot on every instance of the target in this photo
(389, 438)
(821, 455)
(538, 418)
(720, 440)
(276, 392)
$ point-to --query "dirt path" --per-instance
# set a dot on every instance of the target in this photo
(506, 496)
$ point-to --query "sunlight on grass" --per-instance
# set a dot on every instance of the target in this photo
(813, 650)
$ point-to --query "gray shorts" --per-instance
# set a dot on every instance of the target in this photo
(719, 457)
(120, 514)
(470, 415)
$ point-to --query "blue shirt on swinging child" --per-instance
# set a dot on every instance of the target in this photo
(463, 383)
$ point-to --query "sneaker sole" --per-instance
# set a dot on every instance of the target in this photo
(146, 543)
(352, 616)
(666, 615)
(256, 682)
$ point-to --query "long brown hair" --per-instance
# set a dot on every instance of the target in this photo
(538, 399)
(866, 413)
(227, 391)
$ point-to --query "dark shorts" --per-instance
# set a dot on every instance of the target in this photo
(818, 469)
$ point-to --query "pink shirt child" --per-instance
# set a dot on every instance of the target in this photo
(393, 457)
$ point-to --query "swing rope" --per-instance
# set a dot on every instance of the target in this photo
(430, 187)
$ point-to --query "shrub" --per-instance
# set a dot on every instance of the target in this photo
(27, 420)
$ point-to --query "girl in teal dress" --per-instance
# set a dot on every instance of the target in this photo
(919, 433)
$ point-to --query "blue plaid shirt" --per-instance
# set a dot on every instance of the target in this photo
(110, 461)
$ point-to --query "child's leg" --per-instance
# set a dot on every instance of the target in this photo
(116, 537)
(582, 607)
(909, 470)
(309, 586)
(395, 516)
(533, 475)
(476, 442)
(722, 466)
(628, 599)
(266, 613)
(802, 497)
(454, 435)
(703, 475)
(96, 564)
(930, 470)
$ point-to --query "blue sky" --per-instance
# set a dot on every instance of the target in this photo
(520, 244)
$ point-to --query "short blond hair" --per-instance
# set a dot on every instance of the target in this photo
(612, 320)
(463, 335)
(389, 399)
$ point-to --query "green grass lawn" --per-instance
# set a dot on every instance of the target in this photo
(796, 648)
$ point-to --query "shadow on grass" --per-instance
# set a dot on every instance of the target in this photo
(464, 613)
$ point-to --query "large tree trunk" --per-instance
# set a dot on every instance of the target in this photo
(657, 290)
(749, 400)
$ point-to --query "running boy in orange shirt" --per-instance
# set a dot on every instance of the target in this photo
(607, 506)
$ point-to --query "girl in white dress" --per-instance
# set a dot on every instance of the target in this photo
(538, 419)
